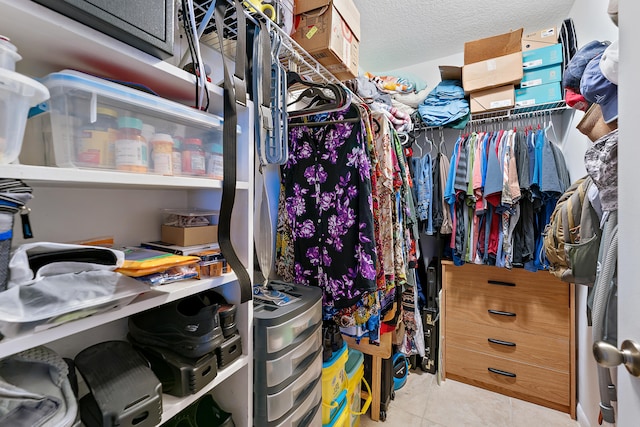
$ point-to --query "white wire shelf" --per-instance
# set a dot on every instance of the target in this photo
(510, 114)
(292, 56)
(516, 113)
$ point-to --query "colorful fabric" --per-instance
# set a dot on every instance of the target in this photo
(327, 186)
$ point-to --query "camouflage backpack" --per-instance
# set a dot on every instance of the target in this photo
(572, 237)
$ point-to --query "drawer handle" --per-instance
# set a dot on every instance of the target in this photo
(507, 343)
(499, 283)
(499, 372)
(502, 313)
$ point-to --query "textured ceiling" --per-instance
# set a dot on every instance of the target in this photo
(398, 34)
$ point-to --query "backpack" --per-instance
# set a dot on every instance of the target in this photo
(571, 240)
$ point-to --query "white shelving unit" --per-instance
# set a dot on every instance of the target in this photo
(74, 204)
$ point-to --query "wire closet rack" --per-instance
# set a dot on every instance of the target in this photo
(294, 58)
(291, 55)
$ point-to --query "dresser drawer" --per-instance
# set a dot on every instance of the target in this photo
(518, 378)
(516, 284)
(542, 351)
(550, 320)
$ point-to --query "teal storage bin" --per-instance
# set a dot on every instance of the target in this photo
(541, 76)
(542, 57)
(543, 94)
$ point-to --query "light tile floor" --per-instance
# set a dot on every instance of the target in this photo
(424, 403)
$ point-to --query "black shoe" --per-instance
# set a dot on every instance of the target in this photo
(189, 327)
(203, 413)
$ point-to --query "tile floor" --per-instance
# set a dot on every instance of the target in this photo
(424, 403)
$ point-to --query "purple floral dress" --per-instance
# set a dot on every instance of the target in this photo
(328, 204)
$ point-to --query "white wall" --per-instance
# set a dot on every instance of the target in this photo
(591, 22)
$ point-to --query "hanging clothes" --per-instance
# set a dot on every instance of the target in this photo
(328, 210)
(501, 188)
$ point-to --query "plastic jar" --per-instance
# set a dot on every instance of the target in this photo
(95, 146)
(214, 162)
(176, 157)
(162, 153)
(193, 160)
(132, 150)
(8, 54)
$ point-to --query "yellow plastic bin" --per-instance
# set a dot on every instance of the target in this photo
(355, 379)
(334, 382)
(341, 416)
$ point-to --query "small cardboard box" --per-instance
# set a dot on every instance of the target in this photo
(543, 94)
(330, 31)
(189, 236)
(542, 57)
(492, 62)
(540, 38)
(450, 72)
(492, 99)
(541, 76)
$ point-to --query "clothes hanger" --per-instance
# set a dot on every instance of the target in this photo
(328, 97)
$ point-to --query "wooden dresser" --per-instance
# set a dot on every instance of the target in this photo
(510, 331)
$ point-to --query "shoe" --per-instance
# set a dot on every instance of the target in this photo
(189, 327)
(203, 413)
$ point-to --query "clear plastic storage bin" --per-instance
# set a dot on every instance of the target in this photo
(92, 121)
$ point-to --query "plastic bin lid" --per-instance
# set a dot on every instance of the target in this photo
(24, 86)
(81, 81)
(356, 358)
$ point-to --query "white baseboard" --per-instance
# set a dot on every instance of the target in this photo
(583, 420)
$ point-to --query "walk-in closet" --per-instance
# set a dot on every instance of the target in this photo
(336, 213)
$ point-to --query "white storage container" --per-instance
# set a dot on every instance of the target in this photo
(291, 363)
(279, 404)
(308, 413)
(8, 54)
(279, 337)
(87, 115)
(17, 94)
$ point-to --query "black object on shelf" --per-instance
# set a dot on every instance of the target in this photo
(179, 375)
(123, 389)
(204, 412)
(145, 24)
(189, 326)
(229, 351)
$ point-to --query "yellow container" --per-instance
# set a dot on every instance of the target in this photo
(334, 382)
(341, 416)
(355, 379)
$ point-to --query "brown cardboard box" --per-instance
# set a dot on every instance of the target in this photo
(330, 31)
(492, 62)
(540, 38)
(189, 236)
(492, 99)
(450, 72)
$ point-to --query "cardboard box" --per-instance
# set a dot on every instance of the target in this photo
(540, 38)
(492, 62)
(492, 99)
(450, 72)
(543, 94)
(542, 57)
(330, 31)
(541, 76)
(190, 236)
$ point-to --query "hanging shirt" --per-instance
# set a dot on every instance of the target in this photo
(327, 184)
(386, 197)
(446, 227)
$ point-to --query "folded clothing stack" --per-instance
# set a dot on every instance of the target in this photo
(445, 106)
